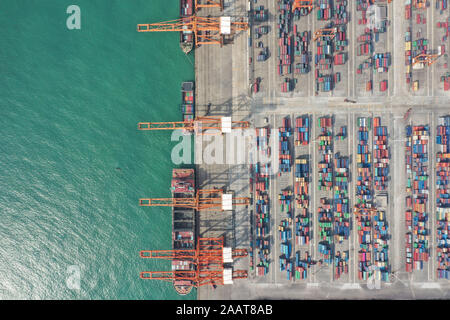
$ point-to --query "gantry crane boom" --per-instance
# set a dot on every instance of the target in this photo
(208, 4)
(299, 4)
(206, 263)
(200, 125)
(185, 254)
(203, 200)
(213, 277)
(207, 249)
(424, 58)
(206, 30)
(325, 32)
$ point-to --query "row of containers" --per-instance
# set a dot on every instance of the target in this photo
(301, 189)
(262, 204)
(302, 131)
(340, 198)
(331, 46)
(364, 200)
(285, 237)
(301, 50)
(302, 219)
(285, 200)
(381, 155)
(324, 78)
(325, 164)
(325, 236)
(372, 225)
(443, 197)
(285, 156)
(417, 233)
(302, 175)
(285, 43)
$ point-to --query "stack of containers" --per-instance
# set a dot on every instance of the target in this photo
(420, 137)
(340, 39)
(364, 49)
(323, 62)
(262, 205)
(301, 193)
(443, 197)
(285, 43)
(325, 154)
(365, 46)
(340, 264)
(408, 57)
(287, 85)
(285, 237)
(301, 47)
(364, 199)
(260, 14)
(408, 213)
(302, 130)
(323, 58)
(381, 155)
(441, 4)
(382, 61)
(340, 59)
(444, 25)
(340, 12)
(362, 5)
(285, 200)
(340, 198)
(408, 9)
(325, 213)
(302, 265)
(324, 11)
(446, 80)
(380, 245)
(363, 159)
(342, 134)
(285, 157)
(383, 85)
(324, 82)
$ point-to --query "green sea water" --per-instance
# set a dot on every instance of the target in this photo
(72, 162)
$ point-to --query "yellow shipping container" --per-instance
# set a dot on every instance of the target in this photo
(408, 46)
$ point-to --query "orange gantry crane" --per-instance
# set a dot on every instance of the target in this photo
(426, 59)
(207, 249)
(200, 125)
(371, 211)
(206, 264)
(208, 4)
(213, 199)
(300, 4)
(325, 32)
(206, 30)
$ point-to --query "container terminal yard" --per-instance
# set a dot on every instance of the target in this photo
(357, 96)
